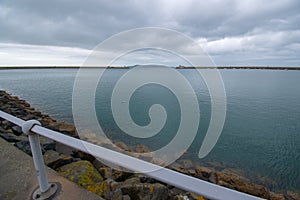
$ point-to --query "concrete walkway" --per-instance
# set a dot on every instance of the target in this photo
(18, 178)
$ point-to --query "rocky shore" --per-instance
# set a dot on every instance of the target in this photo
(109, 183)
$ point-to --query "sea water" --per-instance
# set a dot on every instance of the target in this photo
(261, 134)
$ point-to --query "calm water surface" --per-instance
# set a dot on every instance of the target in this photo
(261, 135)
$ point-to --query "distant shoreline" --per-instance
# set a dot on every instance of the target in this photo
(127, 67)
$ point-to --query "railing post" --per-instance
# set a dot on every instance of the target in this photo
(36, 154)
(38, 162)
(44, 186)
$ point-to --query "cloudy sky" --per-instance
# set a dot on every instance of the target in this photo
(232, 32)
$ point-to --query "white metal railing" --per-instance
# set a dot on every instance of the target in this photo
(32, 128)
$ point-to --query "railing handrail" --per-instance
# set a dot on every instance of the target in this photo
(182, 181)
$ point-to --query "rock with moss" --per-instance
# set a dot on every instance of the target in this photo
(84, 174)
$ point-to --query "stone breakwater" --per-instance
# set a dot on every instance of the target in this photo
(109, 183)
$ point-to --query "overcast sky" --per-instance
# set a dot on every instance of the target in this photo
(233, 32)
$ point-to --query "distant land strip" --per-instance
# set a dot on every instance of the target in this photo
(127, 67)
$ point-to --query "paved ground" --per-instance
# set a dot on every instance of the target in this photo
(18, 179)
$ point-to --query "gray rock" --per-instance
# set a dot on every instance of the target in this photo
(83, 156)
(29, 117)
(111, 190)
(97, 164)
(17, 130)
(25, 147)
(2, 130)
(137, 190)
(55, 160)
(50, 145)
(6, 124)
(9, 137)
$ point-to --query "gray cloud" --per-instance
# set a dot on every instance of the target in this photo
(235, 29)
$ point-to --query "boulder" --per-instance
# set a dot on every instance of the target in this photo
(192, 172)
(182, 170)
(122, 146)
(67, 129)
(158, 161)
(24, 146)
(29, 117)
(6, 124)
(114, 174)
(55, 160)
(292, 195)
(105, 172)
(83, 156)
(119, 175)
(63, 149)
(146, 156)
(84, 174)
(146, 179)
(274, 196)
(203, 172)
(233, 181)
(64, 126)
(186, 163)
(97, 164)
(175, 193)
(9, 137)
(17, 130)
(47, 143)
(49, 146)
(141, 149)
(111, 190)
(137, 190)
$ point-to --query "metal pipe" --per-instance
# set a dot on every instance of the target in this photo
(36, 153)
(38, 162)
